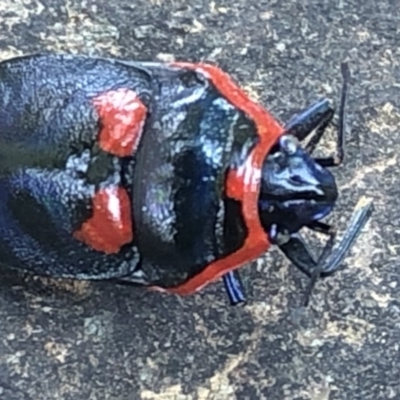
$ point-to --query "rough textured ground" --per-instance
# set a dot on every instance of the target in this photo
(63, 340)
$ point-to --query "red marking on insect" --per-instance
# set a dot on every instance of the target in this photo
(242, 184)
(122, 116)
(235, 187)
(110, 226)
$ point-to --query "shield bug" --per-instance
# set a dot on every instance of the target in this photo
(161, 175)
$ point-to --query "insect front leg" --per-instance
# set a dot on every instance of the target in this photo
(316, 118)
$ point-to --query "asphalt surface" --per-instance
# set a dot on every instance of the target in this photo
(69, 340)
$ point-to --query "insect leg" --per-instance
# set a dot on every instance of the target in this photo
(234, 287)
(315, 118)
(360, 217)
(296, 250)
(330, 261)
(337, 159)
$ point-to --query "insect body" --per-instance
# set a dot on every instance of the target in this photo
(160, 175)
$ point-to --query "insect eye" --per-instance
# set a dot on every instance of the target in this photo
(289, 144)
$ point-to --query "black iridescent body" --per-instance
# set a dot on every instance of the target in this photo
(51, 164)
